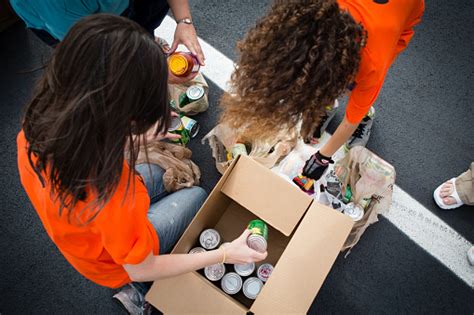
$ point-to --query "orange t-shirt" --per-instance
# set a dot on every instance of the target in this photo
(120, 234)
(389, 27)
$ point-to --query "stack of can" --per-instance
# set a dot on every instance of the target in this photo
(246, 277)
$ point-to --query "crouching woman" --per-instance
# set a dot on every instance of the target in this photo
(104, 88)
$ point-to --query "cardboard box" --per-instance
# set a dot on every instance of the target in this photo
(304, 240)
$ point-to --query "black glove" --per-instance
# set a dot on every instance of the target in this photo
(316, 165)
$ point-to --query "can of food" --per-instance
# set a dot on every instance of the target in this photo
(244, 270)
(177, 127)
(195, 92)
(258, 239)
(197, 250)
(354, 211)
(182, 63)
(191, 125)
(252, 287)
(209, 239)
(264, 272)
(215, 272)
(231, 283)
(239, 149)
(347, 194)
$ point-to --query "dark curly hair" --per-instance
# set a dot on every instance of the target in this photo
(296, 60)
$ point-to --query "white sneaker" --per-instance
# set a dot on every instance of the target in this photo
(470, 255)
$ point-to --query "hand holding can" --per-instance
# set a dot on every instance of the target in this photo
(238, 252)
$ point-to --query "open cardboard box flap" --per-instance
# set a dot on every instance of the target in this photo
(305, 263)
(278, 203)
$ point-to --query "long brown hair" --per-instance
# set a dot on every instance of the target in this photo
(106, 82)
(296, 60)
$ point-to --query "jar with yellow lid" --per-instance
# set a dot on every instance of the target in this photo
(182, 64)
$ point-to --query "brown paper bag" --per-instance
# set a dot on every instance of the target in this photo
(267, 152)
(369, 177)
(176, 91)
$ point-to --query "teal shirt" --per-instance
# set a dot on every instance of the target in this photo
(57, 16)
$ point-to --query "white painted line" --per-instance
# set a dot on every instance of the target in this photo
(407, 214)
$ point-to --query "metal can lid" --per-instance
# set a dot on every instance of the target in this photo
(244, 269)
(175, 123)
(195, 92)
(231, 283)
(354, 211)
(215, 272)
(257, 242)
(264, 272)
(209, 239)
(252, 287)
(197, 250)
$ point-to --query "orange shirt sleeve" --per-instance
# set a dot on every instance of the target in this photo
(369, 82)
(127, 234)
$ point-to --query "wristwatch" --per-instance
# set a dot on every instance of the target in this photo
(185, 21)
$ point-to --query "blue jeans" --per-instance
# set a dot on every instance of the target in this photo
(169, 213)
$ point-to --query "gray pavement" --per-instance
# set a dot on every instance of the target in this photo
(423, 127)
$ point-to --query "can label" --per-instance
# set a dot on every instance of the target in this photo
(264, 272)
(177, 127)
(209, 239)
(239, 149)
(214, 272)
(258, 227)
(191, 125)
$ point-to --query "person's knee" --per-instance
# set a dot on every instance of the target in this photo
(199, 195)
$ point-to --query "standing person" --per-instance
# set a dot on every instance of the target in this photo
(51, 19)
(302, 55)
(104, 88)
(456, 192)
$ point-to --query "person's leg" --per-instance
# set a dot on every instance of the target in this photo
(172, 214)
(152, 176)
(465, 186)
(148, 13)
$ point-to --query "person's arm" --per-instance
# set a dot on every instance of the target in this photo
(165, 266)
(343, 132)
(185, 33)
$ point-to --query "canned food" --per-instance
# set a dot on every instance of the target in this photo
(258, 227)
(264, 272)
(194, 92)
(258, 239)
(239, 149)
(354, 211)
(231, 283)
(191, 125)
(182, 64)
(252, 287)
(244, 270)
(197, 250)
(209, 239)
(257, 242)
(215, 272)
(347, 194)
(177, 127)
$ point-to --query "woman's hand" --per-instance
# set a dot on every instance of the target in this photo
(186, 34)
(238, 252)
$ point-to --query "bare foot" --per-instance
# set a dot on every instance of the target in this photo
(446, 190)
